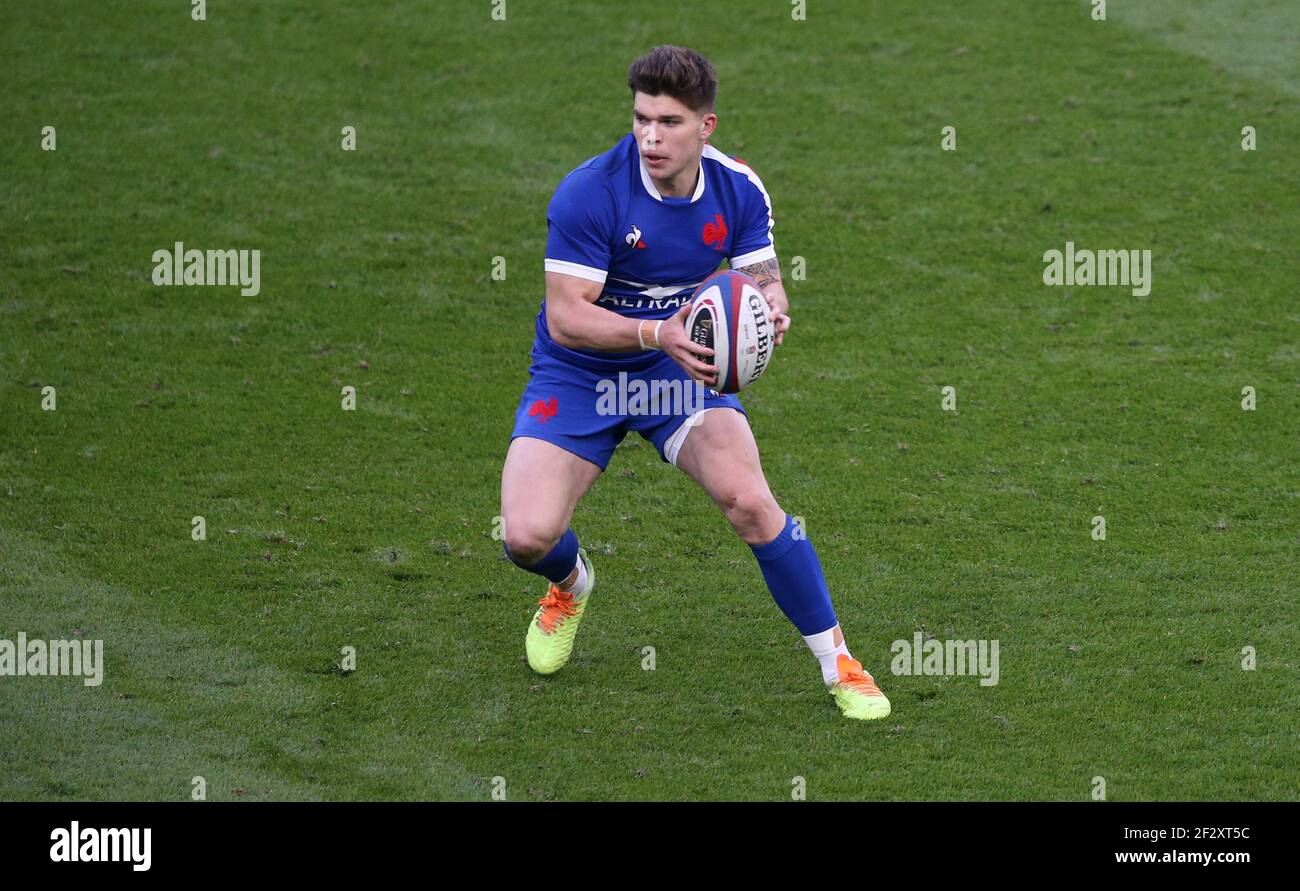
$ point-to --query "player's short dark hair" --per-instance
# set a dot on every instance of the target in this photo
(681, 73)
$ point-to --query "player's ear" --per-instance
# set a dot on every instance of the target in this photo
(708, 124)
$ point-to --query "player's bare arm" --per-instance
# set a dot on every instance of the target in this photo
(576, 322)
(768, 275)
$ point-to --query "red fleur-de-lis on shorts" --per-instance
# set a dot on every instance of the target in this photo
(543, 411)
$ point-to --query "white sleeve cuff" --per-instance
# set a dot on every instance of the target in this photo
(758, 256)
(590, 273)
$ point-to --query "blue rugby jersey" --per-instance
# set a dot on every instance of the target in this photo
(608, 223)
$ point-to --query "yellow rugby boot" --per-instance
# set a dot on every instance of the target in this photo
(856, 692)
(555, 624)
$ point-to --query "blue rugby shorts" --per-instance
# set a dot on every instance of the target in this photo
(588, 410)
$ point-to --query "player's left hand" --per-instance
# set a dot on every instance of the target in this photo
(778, 314)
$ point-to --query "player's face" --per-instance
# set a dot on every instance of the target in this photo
(670, 135)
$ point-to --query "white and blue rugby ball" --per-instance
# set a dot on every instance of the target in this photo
(729, 316)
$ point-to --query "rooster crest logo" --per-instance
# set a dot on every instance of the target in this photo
(634, 237)
(715, 233)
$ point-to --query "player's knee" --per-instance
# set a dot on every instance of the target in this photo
(528, 542)
(747, 510)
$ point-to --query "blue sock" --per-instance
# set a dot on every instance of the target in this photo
(558, 563)
(794, 576)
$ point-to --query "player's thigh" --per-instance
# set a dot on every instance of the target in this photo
(721, 455)
(540, 487)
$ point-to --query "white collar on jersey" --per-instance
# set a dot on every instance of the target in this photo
(654, 193)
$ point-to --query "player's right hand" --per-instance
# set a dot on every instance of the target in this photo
(674, 341)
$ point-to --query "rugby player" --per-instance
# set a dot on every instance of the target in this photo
(630, 234)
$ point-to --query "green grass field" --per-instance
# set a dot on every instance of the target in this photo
(372, 529)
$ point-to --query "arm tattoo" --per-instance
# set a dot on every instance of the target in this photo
(764, 273)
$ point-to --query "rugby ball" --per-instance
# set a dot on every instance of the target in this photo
(729, 315)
